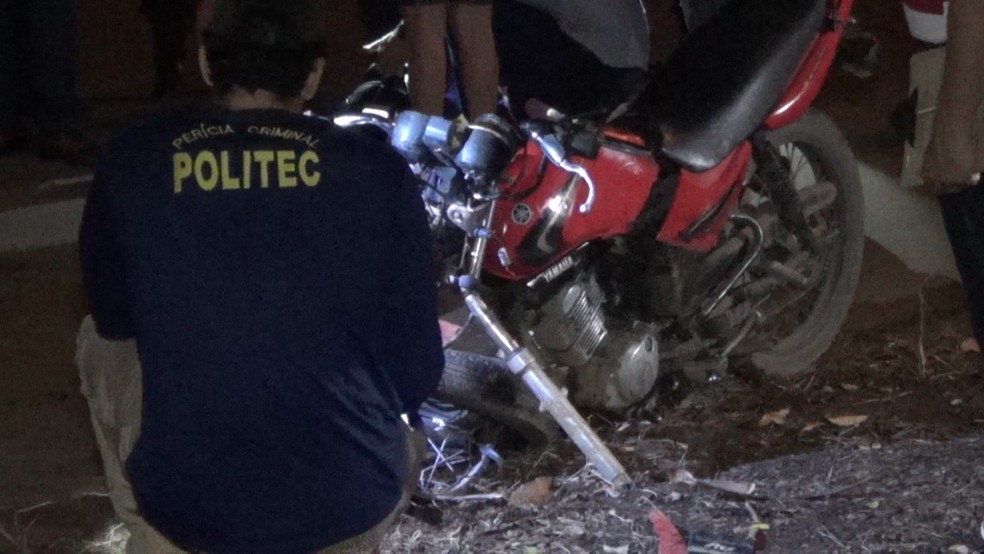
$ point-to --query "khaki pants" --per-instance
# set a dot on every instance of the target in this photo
(110, 374)
(111, 383)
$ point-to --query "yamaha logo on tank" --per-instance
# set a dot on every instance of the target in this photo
(522, 214)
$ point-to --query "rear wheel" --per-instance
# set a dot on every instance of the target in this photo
(798, 322)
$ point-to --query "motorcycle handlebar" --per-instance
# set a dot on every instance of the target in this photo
(414, 133)
(557, 154)
(365, 118)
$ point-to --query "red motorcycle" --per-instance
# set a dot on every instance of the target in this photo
(708, 222)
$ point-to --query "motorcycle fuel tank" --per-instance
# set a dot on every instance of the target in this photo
(537, 220)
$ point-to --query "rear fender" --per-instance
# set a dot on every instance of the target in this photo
(812, 72)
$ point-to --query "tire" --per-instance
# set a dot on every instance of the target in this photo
(813, 142)
(483, 385)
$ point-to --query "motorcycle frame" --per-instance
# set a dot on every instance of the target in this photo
(702, 204)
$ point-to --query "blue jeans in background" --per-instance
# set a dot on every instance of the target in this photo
(963, 216)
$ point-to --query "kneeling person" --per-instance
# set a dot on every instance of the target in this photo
(273, 273)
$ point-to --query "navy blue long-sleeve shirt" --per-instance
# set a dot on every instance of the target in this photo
(275, 272)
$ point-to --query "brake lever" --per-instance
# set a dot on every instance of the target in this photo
(371, 118)
(557, 155)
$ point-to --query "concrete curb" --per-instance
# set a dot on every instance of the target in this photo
(907, 223)
(41, 226)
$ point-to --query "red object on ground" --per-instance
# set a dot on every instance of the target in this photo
(670, 539)
(926, 6)
(449, 331)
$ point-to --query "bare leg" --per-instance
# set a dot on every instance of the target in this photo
(426, 28)
(472, 26)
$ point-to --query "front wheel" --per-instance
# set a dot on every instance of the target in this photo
(798, 323)
(484, 385)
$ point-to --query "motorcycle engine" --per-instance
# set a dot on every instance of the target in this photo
(612, 364)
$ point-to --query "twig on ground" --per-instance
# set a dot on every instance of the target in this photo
(85, 494)
(835, 492)
(35, 507)
(9, 538)
(18, 538)
(809, 382)
(941, 360)
(113, 542)
(470, 497)
(751, 512)
(827, 534)
(922, 327)
(546, 453)
(885, 399)
(942, 375)
(507, 525)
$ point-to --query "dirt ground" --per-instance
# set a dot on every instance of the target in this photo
(876, 451)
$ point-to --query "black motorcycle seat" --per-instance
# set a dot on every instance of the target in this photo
(718, 86)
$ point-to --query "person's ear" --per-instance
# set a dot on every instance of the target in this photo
(204, 67)
(313, 80)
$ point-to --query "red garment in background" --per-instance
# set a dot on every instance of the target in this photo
(926, 6)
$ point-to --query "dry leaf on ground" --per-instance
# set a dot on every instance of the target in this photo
(848, 420)
(774, 418)
(682, 476)
(533, 494)
(970, 344)
(811, 426)
(733, 487)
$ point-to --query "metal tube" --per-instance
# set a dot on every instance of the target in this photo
(522, 362)
(481, 243)
(759, 236)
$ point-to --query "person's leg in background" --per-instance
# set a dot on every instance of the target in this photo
(427, 24)
(11, 73)
(51, 65)
(171, 23)
(963, 216)
(427, 27)
(539, 61)
(471, 23)
(111, 383)
(666, 28)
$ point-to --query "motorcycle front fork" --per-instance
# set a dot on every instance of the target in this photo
(524, 364)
